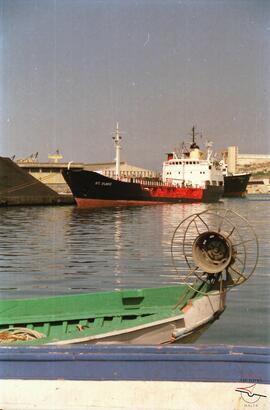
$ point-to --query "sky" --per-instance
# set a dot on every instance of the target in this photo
(70, 69)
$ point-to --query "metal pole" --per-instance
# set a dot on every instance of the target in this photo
(117, 140)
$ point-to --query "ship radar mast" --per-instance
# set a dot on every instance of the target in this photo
(194, 134)
(117, 142)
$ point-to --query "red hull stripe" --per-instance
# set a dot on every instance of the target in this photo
(96, 203)
(173, 192)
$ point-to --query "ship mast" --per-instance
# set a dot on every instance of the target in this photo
(193, 134)
(117, 138)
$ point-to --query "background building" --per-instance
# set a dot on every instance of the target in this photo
(252, 159)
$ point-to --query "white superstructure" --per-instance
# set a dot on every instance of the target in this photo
(192, 168)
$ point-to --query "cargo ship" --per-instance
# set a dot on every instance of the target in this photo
(235, 184)
(187, 177)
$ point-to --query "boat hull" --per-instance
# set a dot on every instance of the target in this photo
(172, 314)
(236, 185)
(134, 377)
(92, 189)
(196, 317)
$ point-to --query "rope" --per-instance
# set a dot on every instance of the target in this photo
(15, 334)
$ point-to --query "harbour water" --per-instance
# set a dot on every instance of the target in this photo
(63, 250)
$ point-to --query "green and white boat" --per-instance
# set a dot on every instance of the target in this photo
(137, 316)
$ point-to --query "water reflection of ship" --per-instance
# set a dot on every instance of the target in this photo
(118, 240)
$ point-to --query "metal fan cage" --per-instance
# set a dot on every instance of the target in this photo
(233, 229)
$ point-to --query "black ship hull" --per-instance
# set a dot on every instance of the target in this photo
(236, 185)
(92, 189)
